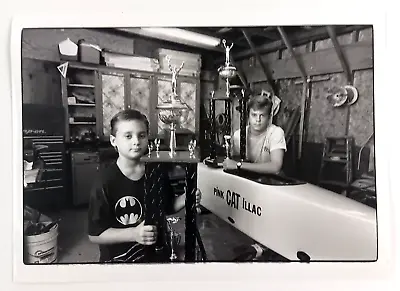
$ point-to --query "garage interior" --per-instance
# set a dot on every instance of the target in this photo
(312, 69)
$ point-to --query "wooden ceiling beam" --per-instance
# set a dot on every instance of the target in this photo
(265, 69)
(292, 52)
(339, 52)
(224, 29)
(296, 40)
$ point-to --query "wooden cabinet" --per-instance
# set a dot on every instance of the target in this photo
(112, 99)
(121, 90)
(85, 171)
(78, 90)
(117, 89)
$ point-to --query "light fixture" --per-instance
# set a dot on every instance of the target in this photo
(178, 35)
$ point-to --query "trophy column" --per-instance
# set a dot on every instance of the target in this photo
(190, 215)
(243, 139)
(213, 153)
(153, 208)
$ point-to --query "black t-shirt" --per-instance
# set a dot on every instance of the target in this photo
(118, 202)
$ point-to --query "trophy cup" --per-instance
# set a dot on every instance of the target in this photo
(174, 238)
(170, 112)
(227, 71)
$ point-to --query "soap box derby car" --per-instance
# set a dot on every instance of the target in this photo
(295, 219)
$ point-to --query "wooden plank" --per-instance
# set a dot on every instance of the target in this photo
(321, 62)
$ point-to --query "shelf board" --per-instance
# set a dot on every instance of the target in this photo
(81, 85)
(83, 123)
(83, 104)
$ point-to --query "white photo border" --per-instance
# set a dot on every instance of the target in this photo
(352, 273)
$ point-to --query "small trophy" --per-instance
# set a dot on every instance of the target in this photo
(227, 145)
(192, 147)
(157, 144)
(150, 147)
(174, 238)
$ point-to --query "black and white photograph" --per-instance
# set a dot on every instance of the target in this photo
(244, 144)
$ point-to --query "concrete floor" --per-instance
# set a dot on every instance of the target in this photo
(220, 239)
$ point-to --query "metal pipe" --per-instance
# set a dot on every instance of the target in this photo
(257, 55)
(339, 52)
(243, 133)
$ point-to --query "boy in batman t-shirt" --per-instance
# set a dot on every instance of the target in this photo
(116, 207)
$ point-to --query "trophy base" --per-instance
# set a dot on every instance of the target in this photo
(173, 258)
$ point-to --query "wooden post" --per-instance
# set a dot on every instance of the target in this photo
(306, 82)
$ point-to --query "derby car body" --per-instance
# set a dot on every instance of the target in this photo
(291, 217)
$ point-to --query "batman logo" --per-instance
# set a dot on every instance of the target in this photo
(128, 211)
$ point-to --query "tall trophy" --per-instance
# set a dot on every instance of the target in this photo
(170, 112)
(226, 72)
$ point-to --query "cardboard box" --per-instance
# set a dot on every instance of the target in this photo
(89, 53)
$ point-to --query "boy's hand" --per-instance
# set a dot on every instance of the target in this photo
(145, 234)
(198, 197)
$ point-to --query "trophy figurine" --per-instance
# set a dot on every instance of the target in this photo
(227, 145)
(227, 71)
(157, 144)
(175, 71)
(171, 111)
(191, 148)
(150, 147)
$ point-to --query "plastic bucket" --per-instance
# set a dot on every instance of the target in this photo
(42, 248)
